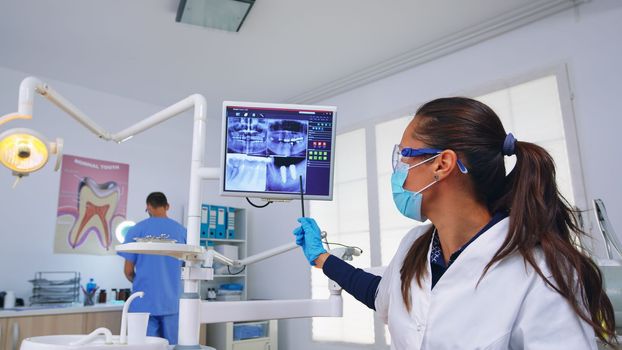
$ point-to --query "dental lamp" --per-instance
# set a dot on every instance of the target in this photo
(24, 151)
(198, 259)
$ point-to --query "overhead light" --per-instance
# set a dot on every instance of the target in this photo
(24, 151)
(220, 14)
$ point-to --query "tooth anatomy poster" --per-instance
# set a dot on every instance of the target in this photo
(91, 203)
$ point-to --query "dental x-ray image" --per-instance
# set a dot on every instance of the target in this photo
(247, 136)
(287, 138)
(246, 173)
(265, 154)
(284, 174)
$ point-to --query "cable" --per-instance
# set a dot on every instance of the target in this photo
(347, 246)
(326, 239)
(257, 206)
(237, 273)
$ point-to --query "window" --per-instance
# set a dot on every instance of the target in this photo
(531, 110)
(346, 221)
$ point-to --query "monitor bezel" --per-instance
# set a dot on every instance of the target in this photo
(275, 196)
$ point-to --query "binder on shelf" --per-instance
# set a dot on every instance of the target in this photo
(204, 222)
(230, 223)
(221, 222)
(211, 233)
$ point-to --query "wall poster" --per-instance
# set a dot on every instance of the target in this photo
(91, 203)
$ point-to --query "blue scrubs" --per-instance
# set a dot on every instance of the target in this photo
(159, 277)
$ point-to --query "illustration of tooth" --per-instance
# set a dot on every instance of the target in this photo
(283, 173)
(293, 172)
(97, 204)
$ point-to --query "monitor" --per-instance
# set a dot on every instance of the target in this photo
(268, 147)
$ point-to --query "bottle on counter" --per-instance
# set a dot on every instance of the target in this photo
(128, 292)
(121, 294)
(90, 286)
(102, 297)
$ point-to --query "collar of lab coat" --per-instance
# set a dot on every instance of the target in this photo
(470, 264)
(463, 273)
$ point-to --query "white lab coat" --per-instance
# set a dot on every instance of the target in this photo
(511, 308)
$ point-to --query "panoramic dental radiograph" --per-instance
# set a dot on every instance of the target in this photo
(247, 136)
(265, 154)
(287, 138)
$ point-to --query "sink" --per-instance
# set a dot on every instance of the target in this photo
(61, 342)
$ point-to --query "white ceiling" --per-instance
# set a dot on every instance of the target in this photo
(287, 50)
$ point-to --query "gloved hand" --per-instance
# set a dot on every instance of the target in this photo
(309, 237)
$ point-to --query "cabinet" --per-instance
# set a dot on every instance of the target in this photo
(19, 328)
(3, 333)
(108, 319)
(238, 241)
(262, 335)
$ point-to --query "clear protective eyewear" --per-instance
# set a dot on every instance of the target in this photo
(399, 153)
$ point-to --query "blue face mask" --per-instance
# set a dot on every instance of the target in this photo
(408, 202)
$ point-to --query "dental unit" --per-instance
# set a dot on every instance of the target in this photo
(198, 260)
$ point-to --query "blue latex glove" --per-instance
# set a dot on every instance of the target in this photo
(309, 237)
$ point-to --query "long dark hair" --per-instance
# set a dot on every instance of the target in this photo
(539, 215)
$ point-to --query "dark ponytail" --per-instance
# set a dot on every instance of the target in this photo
(539, 215)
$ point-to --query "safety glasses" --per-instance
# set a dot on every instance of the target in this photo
(399, 153)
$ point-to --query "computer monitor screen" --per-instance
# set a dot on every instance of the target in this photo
(269, 147)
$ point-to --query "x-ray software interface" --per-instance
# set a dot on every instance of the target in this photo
(268, 149)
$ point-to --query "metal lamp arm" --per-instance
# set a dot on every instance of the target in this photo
(257, 257)
(32, 85)
(253, 258)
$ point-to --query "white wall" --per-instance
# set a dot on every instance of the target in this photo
(588, 40)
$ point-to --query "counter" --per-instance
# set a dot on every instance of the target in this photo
(21, 323)
(41, 310)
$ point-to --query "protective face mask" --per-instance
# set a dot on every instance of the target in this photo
(408, 202)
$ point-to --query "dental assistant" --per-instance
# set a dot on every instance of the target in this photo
(496, 267)
(158, 276)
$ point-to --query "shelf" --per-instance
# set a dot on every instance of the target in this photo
(224, 240)
(230, 276)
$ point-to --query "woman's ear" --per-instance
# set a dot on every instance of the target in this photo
(445, 164)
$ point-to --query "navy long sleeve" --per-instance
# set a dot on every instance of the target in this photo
(360, 284)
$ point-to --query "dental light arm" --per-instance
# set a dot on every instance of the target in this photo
(260, 256)
(31, 86)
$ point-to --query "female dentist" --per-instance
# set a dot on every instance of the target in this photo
(496, 268)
